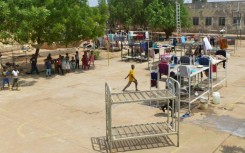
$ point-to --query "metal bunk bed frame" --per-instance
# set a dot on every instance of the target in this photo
(149, 130)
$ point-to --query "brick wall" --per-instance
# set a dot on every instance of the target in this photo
(216, 10)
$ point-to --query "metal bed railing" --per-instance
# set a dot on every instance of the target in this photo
(148, 130)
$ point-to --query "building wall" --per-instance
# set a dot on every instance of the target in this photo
(229, 10)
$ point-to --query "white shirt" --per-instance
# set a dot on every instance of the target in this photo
(15, 73)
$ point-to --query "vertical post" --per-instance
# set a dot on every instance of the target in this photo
(106, 108)
(240, 29)
(110, 125)
(189, 85)
(150, 66)
(121, 48)
(226, 72)
(108, 56)
(148, 54)
(158, 75)
(240, 38)
(26, 58)
(210, 79)
(0, 59)
(108, 117)
(178, 109)
(110, 22)
(108, 51)
(178, 21)
(150, 74)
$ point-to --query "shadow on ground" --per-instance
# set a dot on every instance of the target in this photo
(24, 76)
(226, 123)
(25, 83)
(100, 144)
(232, 149)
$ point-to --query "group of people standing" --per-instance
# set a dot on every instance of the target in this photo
(6, 78)
(64, 64)
(61, 65)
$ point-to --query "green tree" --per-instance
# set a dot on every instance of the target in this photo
(127, 12)
(119, 12)
(100, 16)
(59, 21)
(157, 14)
(162, 15)
(4, 13)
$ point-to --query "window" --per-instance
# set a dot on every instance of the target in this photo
(195, 21)
(236, 20)
(221, 21)
(208, 21)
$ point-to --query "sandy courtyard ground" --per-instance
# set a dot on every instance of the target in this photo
(66, 114)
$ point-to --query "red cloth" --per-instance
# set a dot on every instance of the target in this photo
(214, 68)
(85, 59)
(163, 68)
(140, 36)
(223, 43)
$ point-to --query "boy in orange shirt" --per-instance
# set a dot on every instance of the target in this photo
(131, 78)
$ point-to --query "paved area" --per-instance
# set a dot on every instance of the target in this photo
(66, 114)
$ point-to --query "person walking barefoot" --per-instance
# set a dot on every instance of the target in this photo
(131, 78)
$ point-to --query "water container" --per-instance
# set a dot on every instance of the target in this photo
(216, 97)
(203, 104)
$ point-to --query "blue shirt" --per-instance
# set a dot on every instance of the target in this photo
(48, 65)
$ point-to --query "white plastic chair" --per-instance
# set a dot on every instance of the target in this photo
(183, 71)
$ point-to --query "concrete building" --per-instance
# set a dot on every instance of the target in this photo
(211, 17)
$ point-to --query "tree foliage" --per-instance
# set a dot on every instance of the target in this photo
(162, 15)
(59, 21)
(156, 14)
(126, 12)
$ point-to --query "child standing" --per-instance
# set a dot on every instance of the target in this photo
(77, 60)
(85, 61)
(59, 65)
(73, 63)
(91, 58)
(63, 60)
(15, 74)
(48, 67)
(67, 64)
(5, 77)
(33, 62)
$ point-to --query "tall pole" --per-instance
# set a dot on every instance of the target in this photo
(240, 30)
(178, 21)
(109, 26)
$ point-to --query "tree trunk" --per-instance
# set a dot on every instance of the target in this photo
(121, 45)
(37, 52)
(38, 47)
(168, 33)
